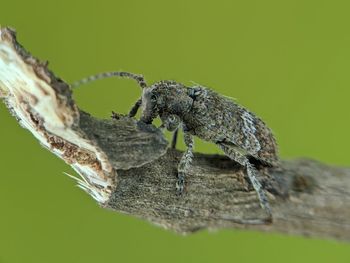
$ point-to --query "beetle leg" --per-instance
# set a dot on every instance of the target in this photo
(171, 123)
(174, 139)
(185, 162)
(239, 157)
(135, 108)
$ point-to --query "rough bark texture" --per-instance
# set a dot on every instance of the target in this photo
(125, 165)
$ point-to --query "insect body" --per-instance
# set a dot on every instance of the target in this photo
(210, 116)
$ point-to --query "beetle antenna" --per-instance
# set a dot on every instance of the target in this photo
(122, 74)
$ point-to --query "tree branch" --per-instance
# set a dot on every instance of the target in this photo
(125, 165)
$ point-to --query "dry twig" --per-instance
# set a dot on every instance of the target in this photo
(126, 167)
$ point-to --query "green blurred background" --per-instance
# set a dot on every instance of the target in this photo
(288, 61)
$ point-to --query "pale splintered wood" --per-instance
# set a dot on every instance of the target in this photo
(43, 104)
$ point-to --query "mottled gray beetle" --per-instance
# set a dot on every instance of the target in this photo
(210, 116)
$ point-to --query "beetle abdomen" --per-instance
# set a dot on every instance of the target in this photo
(217, 118)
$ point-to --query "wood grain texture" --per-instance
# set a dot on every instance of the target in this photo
(307, 197)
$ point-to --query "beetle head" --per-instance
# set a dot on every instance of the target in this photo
(165, 97)
(150, 108)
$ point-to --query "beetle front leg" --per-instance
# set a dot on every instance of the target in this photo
(171, 123)
(185, 162)
(131, 113)
(135, 108)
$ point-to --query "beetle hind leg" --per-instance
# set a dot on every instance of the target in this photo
(264, 203)
(237, 156)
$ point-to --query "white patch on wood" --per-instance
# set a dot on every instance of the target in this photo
(25, 93)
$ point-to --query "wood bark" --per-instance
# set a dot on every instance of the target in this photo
(126, 165)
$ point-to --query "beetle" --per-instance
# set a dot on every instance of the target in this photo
(210, 116)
